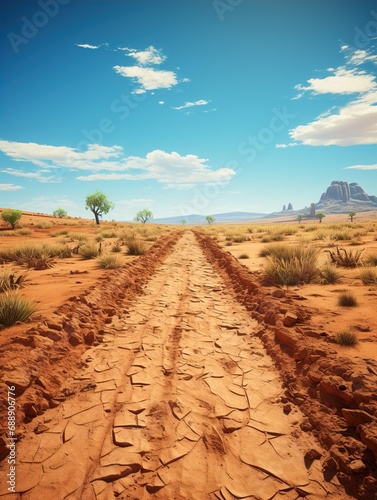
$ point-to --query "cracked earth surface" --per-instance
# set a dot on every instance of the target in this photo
(180, 401)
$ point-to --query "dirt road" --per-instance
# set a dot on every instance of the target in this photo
(179, 402)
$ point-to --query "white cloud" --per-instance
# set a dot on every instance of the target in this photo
(88, 46)
(363, 167)
(189, 104)
(343, 81)
(284, 146)
(353, 123)
(161, 102)
(148, 78)
(48, 203)
(38, 176)
(10, 187)
(110, 163)
(146, 57)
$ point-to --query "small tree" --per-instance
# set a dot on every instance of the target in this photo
(98, 204)
(210, 219)
(11, 216)
(352, 215)
(184, 222)
(143, 216)
(320, 216)
(60, 212)
(299, 218)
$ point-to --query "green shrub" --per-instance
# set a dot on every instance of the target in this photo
(89, 251)
(110, 262)
(368, 276)
(11, 216)
(14, 309)
(346, 338)
(347, 299)
(329, 274)
(136, 247)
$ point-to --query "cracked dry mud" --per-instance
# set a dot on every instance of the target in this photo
(179, 401)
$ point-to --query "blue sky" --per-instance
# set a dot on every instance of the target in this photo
(200, 106)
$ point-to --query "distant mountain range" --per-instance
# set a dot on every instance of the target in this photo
(339, 198)
(196, 219)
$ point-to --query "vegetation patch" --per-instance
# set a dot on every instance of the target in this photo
(14, 309)
(347, 299)
(368, 276)
(110, 262)
(346, 338)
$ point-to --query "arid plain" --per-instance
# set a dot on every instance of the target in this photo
(179, 364)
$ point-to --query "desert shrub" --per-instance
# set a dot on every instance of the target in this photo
(109, 233)
(228, 244)
(9, 280)
(291, 265)
(31, 255)
(250, 230)
(44, 225)
(109, 262)
(347, 299)
(11, 216)
(368, 276)
(328, 274)
(240, 238)
(78, 236)
(136, 247)
(244, 256)
(272, 237)
(346, 338)
(61, 232)
(341, 235)
(116, 247)
(24, 231)
(345, 258)
(89, 251)
(99, 238)
(14, 309)
(371, 259)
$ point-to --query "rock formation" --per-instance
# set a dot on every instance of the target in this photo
(345, 192)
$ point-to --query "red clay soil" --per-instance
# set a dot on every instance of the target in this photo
(192, 391)
(39, 360)
(338, 395)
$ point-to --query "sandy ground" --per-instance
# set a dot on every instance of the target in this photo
(178, 377)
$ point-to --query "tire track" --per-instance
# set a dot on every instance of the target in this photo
(180, 402)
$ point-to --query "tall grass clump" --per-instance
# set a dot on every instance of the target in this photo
(14, 309)
(89, 251)
(346, 339)
(109, 262)
(78, 236)
(31, 255)
(135, 246)
(61, 232)
(347, 299)
(24, 231)
(328, 275)
(291, 265)
(9, 280)
(368, 276)
(371, 259)
(108, 233)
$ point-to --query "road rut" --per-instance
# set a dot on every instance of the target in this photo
(179, 401)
